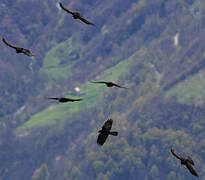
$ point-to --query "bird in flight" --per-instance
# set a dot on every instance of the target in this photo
(109, 84)
(18, 49)
(105, 132)
(188, 162)
(64, 100)
(76, 15)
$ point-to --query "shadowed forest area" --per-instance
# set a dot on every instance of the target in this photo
(154, 47)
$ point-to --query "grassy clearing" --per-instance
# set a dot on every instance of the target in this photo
(56, 114)
(59, 60)
(191, 89)
(112, 74)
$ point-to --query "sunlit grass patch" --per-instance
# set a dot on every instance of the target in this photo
(191, 89)
(57, 113)
(59, 60)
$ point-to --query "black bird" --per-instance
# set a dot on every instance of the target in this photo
(18, 49)
(110, 84)
(64, 100)
(105, 132)
(76, 15)
(188, 162)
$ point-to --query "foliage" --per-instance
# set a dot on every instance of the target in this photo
(154, 47)
(42, 173)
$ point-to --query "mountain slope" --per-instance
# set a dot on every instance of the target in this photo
(156, 48)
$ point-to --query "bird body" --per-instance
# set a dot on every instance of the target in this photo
(64, 100)
(18, 49)
(76, 15)
(105, 132)
(188, 162)
(108, 84)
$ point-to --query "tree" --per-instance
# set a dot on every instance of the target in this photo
(42, 173)
(172, 176)
(154, 172)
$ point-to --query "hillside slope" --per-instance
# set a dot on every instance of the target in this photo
(156, 48)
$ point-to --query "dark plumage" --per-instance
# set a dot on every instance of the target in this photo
(105, 132)
(18, 49)
(110, 84)
(64, 100)
(188, 162)
(76, 15)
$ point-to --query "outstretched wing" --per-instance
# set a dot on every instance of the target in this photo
(53, 98)
(191, 169)
(119, 86)
(101, 139)
(65, 9)
(9, 44)
(107, 125)
(86, 21)
(27, 52)
(176, 155)
(190, 160)
(73, 100)
(100, 82)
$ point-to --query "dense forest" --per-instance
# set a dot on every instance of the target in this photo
(154, 47)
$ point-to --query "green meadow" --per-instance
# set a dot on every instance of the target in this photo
(56, 113)
(191, 89)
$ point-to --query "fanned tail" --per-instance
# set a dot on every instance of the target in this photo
(114, 133)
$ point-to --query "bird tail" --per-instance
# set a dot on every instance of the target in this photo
(51, 98)
(114, 133)
(78, 99)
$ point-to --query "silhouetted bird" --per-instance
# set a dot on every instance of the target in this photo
(76, 15)
(110, 84)
(188, 162)
(64, 100)
(18, 49)
(105, 132)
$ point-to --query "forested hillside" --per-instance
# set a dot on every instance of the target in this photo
(154, 47)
